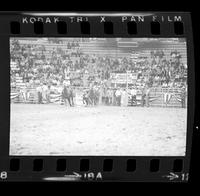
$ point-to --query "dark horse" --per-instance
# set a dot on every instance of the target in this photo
(67, 95)
(93, 96)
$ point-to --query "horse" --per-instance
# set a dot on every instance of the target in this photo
(66, 95)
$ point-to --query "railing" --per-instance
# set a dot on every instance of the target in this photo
(157, 97)
(167, 97)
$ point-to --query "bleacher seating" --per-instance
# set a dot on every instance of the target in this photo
(99, 48)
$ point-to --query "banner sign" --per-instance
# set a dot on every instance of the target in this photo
(122, 78)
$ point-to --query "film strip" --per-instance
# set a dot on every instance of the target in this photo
(46, 140)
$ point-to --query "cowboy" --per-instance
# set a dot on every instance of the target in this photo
(85, 98)
(72, 95)
(183, 97)
(44, 91)
(133, 93)
(147, 95)
(118, 96)
(110, 96)
(39, 92)
(91, 96)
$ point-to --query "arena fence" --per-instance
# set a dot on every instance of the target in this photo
(166, 97)
(157, 97)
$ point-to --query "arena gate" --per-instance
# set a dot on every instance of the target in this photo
(166, 97)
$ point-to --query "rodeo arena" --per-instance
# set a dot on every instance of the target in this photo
(98, 96)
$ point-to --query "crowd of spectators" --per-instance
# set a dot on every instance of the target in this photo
(38, 63)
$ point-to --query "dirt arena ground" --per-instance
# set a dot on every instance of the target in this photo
(102, 130)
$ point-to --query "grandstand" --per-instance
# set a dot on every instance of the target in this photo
(114, 48)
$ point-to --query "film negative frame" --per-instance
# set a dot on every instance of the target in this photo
(93, 168)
